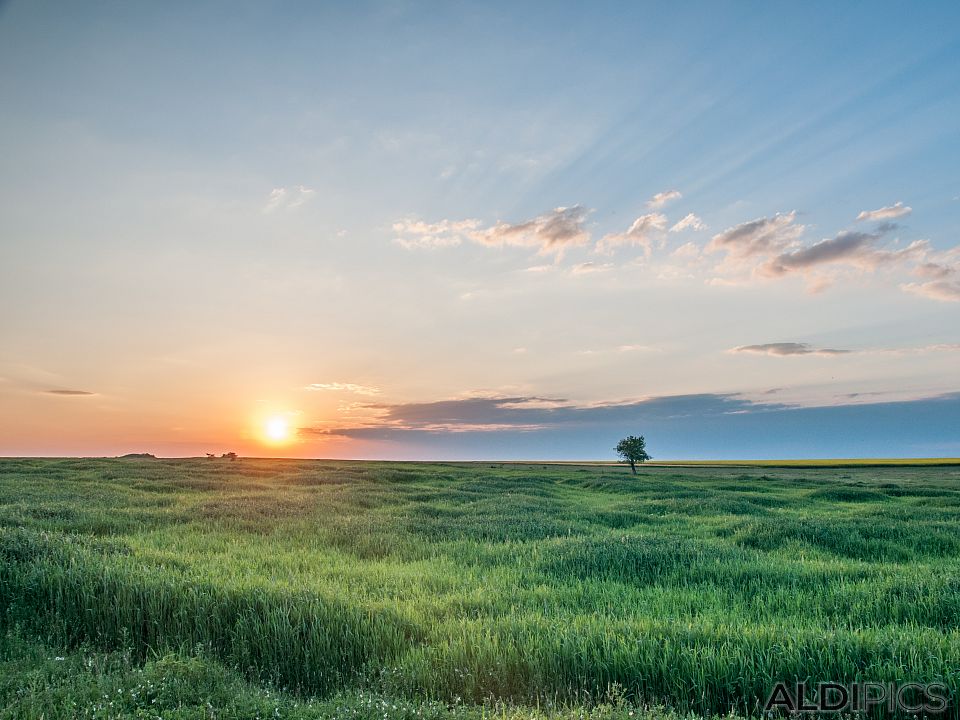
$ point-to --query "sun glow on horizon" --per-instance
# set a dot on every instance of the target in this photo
(276, 429)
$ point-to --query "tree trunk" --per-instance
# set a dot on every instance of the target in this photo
(633, 467)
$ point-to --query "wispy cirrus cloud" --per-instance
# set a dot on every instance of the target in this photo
(551, 232)
(891, 212)
(662, 198)
(70, 393)
(343, 387)
(283, 198)
(787, 349)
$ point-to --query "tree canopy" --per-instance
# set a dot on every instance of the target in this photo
(633, 449)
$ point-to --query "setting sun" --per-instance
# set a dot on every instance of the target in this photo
(277, 429)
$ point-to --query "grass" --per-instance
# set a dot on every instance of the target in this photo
(795, 463)
(482, 590)
(38, 684)
(823, 463)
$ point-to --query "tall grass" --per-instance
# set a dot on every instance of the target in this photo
(696, 588)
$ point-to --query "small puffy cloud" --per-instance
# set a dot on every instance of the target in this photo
(70, 393)
(415, 234)
(843, 246)
(758, 237)
(688, 251)
(940, 274)
(539, 269)
(852, 248)
(943, 290)
(551, 232)
(277, 197)
(644, 230)
(784, 349)
(890, 212)
(662, 198)
(590, 267)
(632, 348)
(688, 222)
(772, 248)
(287, 198)
(343, 387)
(682, 264)
(301, 195)
(933, 271)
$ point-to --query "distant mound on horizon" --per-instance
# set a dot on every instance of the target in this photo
(138, 456)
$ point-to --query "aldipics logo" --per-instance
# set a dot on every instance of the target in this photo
(895, 699)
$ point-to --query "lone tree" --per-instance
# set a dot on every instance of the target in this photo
(632, 450)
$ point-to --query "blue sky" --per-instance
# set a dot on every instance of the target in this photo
(214, 215)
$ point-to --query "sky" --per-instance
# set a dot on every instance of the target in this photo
(480, 230)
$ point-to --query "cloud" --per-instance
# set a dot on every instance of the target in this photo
(343, 387)
(933, 271)
(529, 413)
(644, 230)
(922, 349)
(662, 198)
(772, 248)
(706, 426)
(70, 393)
(620, 349)
(277, 197)
(551, 232)
(784, 349)
(943, 290)
(538, 269)
(762, 236)
(688, 251)
(688, 222)
(287, 198)
(890, 212)
(764, 248)
(590, 267)
(941, 275)
(416, 234)
(852, 248)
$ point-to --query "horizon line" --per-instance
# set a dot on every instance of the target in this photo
(784, 462)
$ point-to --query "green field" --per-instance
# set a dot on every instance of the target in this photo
(276, 588)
